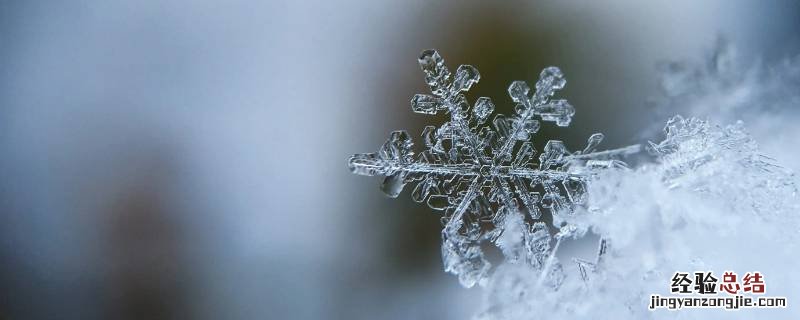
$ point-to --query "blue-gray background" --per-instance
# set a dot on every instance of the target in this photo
(187, 159)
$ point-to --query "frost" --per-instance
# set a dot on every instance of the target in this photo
(708, 201)
(692, 150)
(726, 88)
(483, 175)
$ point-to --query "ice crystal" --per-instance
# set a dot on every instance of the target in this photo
(708, 201)
(694, 150)
(484, 176)
(725, 88)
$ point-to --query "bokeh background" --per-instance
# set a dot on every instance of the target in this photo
(187, 159)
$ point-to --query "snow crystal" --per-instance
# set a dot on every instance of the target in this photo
(484, 177)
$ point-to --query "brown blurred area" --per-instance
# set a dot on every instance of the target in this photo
(143, 253)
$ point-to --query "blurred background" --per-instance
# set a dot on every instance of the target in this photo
(187, 159)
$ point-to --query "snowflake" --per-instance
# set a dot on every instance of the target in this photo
(695, 149)
(726, 87)
(484, 177)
